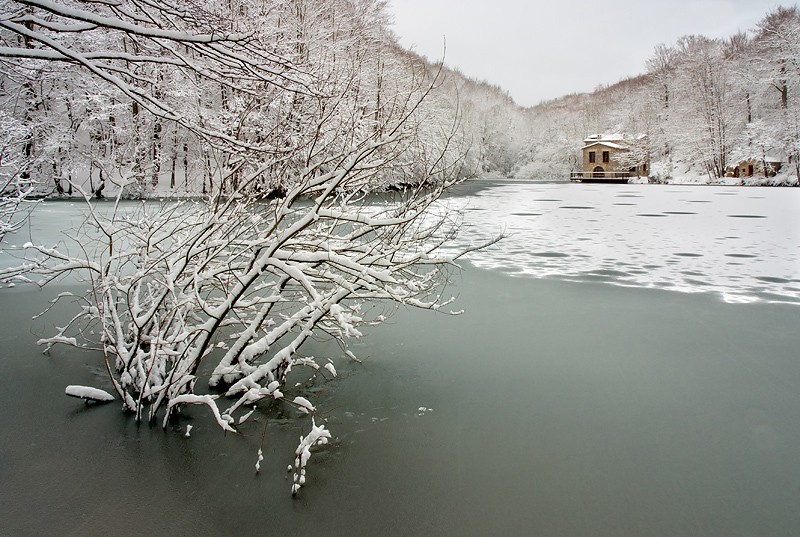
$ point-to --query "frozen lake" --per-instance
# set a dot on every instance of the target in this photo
(558, 405)
(740, 243)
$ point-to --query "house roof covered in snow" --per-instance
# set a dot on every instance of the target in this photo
(615, 137)
(612, 145)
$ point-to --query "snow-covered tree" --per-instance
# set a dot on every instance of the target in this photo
(297, 115)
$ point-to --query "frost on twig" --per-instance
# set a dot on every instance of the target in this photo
(318, 436)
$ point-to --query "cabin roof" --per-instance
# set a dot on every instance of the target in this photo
(614, 137)
(612, 145)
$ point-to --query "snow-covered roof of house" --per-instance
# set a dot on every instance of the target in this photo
(612, 137)
(612, 145)
(606, 137)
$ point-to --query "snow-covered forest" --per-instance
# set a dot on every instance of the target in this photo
(95, 101)
(705, 104)
(90, 106)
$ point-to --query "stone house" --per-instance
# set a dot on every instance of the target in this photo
(613, 158)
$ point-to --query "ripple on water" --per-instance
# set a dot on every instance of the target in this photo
(580, 207)
(746, 216)
(687, 254)
(526, 214)
(678, 212)
(626, 204)
(742, 256)
(652, 215)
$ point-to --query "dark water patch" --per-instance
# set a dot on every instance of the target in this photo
(699, 283)
(584, 239)
(549, 254)
(579, 207)
(734, 264)
(692, 273)
(699, 201)
(609, 272)
(547, 200)
(742, 256)
(772, 279)
(774, 297)
(629, 196)
(678, 212)
(687, 254)
(652, 267)
(596, 278)
(626, 204)
(746, 216)
(652, 215)
(526, 214)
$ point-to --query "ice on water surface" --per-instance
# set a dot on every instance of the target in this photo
(740, 242)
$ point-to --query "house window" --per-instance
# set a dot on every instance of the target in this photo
(606, 156)
(750, 170)
(591, 156)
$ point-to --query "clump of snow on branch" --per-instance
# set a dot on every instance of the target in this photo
(318, 436)
(88, 393)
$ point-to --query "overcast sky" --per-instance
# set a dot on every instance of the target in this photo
(539, 50)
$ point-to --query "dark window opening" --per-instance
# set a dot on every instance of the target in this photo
(606, 156)
(591, 156)
(750, 170)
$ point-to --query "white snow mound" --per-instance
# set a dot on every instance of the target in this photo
(88, 393)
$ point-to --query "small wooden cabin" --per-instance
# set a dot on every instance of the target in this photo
(613, 158)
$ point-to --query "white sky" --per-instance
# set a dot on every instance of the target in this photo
(539, 50)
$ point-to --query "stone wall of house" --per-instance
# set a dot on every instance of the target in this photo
(611, 166)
